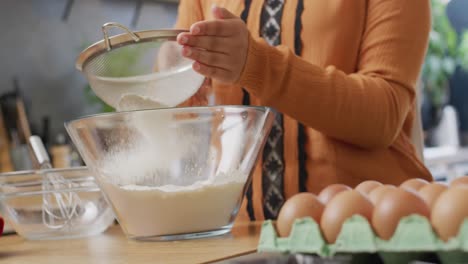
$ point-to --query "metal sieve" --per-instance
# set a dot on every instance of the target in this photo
(143, 63)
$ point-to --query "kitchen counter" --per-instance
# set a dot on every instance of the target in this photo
(113, 247)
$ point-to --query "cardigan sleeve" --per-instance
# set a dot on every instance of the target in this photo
(366, 108)
(189, 12)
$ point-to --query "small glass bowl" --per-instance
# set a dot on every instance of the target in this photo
(31, 204)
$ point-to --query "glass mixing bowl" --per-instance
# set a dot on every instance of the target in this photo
(34, 213)
(174, 173)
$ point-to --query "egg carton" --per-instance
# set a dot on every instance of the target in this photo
(414, 239)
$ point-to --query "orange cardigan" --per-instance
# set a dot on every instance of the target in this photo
(353, 86)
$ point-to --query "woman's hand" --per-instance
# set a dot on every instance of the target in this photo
(218, 47)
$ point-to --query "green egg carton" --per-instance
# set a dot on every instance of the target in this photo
(414, 239)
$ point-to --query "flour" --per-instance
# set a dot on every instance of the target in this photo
(131, 102)
(170, 87)
(156, 145)
(167, 210)
(151, 192)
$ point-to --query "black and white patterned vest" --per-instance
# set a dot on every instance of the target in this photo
(273, 160)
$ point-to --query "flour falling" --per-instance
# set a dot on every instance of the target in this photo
(153, 188)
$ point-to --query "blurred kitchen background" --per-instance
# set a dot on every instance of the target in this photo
(40, 88)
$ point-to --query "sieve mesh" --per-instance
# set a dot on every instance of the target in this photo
(150, 68)
(131, 60)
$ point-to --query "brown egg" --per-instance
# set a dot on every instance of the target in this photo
(459, 181)
(379, 192)
(449, 211)
(431, 192)
(414, 184)
(366, 187)
(298, 206)
(394, 205)
(330, 191)
(340, 208)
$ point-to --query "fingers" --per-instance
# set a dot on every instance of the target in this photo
(214, 59)
(212, 72)
(220, 28)
(218, 47)
(222, 13)
(217, 44)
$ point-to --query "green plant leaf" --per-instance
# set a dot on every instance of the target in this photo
(444, 54)
(436, 43)
(449, 64)
(463, 51)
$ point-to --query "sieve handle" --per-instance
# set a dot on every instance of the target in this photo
(117, 25)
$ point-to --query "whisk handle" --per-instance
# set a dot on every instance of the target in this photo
(39, 151)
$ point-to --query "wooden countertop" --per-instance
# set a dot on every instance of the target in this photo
(113, 247)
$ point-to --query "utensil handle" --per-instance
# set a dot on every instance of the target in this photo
(40, 152)
(117, 25)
